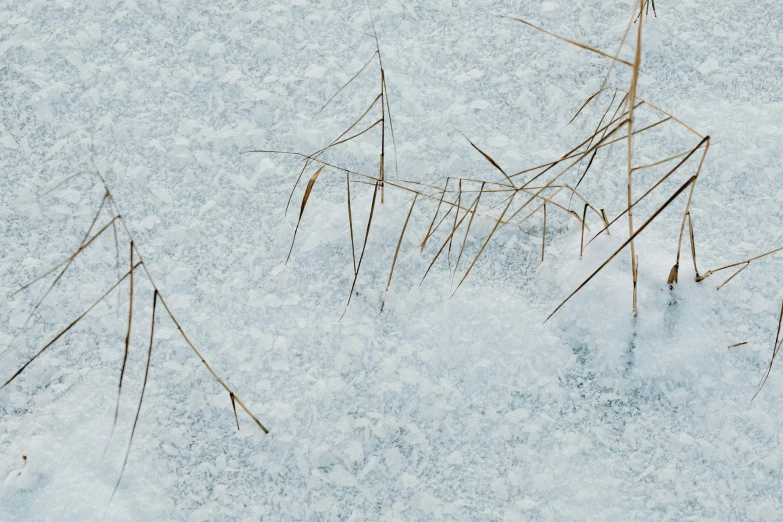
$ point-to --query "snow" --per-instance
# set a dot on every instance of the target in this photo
(439, 408)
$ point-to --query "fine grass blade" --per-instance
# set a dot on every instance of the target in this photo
(472, 213)
(492, 161)
(347, 83)
(572, 42)
(397, 250)
(127, 345)
(350, 219)
(141, 397)
(364, 247)
(306, 196)
(775, 349)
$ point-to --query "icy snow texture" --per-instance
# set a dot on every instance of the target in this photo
(438, 409)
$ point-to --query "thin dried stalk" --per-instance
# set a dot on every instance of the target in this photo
(582, 241)
(306, 196)
(481, 250)
(775, 349)
(746, 261)
(733, 276)
(490, 160)
(631, 101)
(693, 245)
(706, 142)
(543, 237)
(350, 219)
(234, 407)
(347, 83)
(174, 319)
(397, 250)
(127, 344)
(82, 245)
(385, 93)
(68, 260)
(364, 247)
(586, 103)
(434, 217)
(440, 251)
(141, 397)
(454, 225)
(475, 207)
(572, 42)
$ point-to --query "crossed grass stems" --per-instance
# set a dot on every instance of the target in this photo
(515, 198)
(108, 207)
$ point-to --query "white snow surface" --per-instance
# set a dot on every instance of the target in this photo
(439, 408)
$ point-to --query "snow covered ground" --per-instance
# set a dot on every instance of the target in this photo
(461, 408)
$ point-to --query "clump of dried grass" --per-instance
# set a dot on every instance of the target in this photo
(516, 197)
(109, 205)
(521, 199)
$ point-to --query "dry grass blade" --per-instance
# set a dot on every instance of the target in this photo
(67, 328)
(314, 156)
(116, 257)
(606, 221)
(347, 83)
(306, 196)
(127, 343)
(660, 162)
(582, 241)
(631, 99)
(350, 219)
(708, 273)
(472, 213)
(735, 274)
(693, 245)
(587, 169)
(619, 48)
(492, 161)
(141, 397)
(357, 134)
(435, 216)
(543, 236)
(737, 344)
(234, 407)
(364, 247)
(572, 42)
(585, 104)
(397, 250)
(555, 178)
(775, 349)
(456, 216)
(137, 255)
(198, 353)
(391, 124)
(627, 241)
